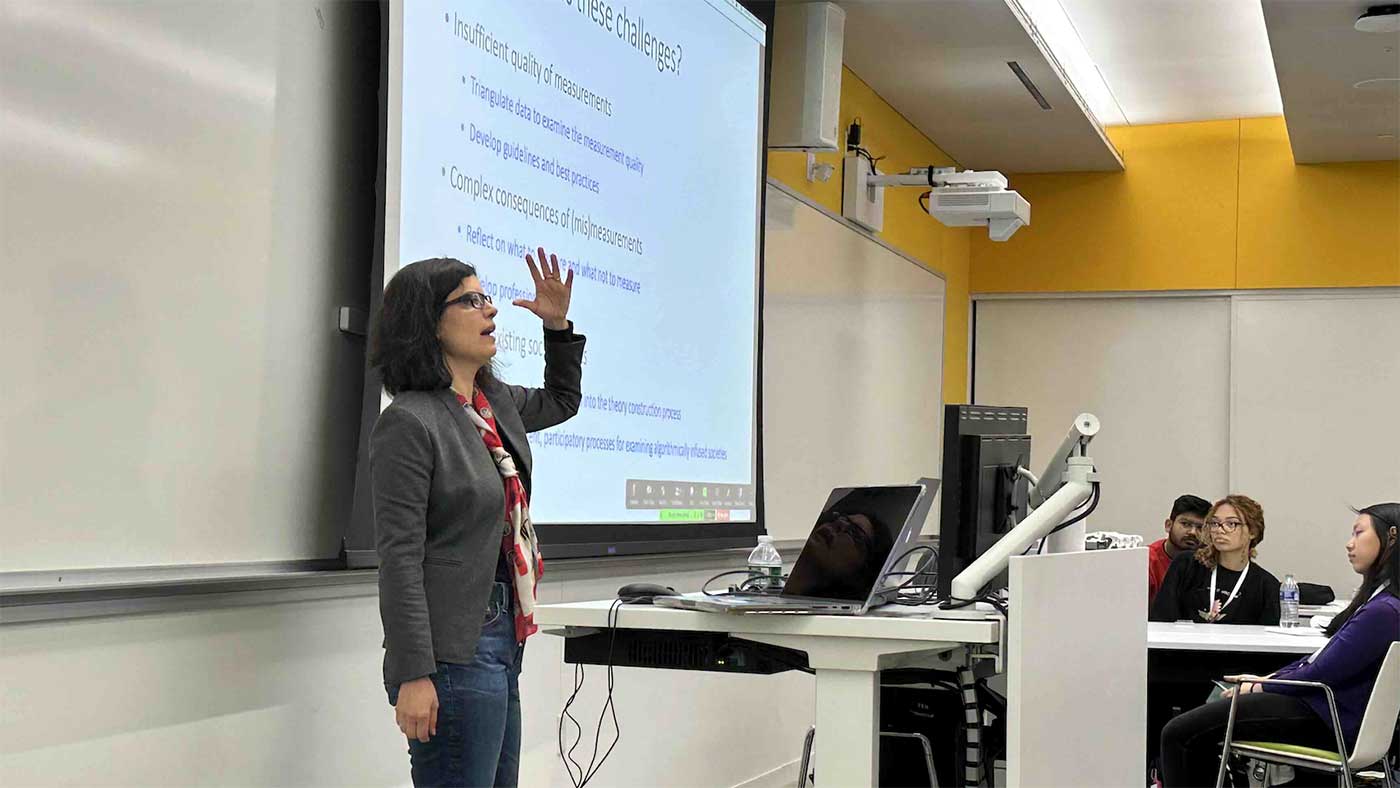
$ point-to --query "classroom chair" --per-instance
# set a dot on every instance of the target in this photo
(1372, 741)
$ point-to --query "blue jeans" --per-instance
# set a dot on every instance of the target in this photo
(478, 728)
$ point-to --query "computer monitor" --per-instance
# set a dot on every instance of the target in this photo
(983, 496)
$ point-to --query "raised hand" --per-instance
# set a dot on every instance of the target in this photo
(552, 293)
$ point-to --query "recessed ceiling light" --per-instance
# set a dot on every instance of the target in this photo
(1380, 19)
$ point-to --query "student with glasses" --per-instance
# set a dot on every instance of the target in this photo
(450, 468)
(1358, 639)
(1220, 583)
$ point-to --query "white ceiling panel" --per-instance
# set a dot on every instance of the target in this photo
(1320, 57)
(943, 64)
(1172, 61)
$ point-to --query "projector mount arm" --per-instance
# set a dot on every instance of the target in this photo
(942, 178)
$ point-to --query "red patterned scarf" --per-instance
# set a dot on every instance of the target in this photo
(518, 542)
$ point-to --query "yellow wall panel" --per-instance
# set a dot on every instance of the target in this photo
(1314, 225)
(1210, 205)
(907, 227)
(1166, 222)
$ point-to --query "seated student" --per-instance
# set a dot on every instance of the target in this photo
(1183, 536)
(1359, 638)
(1219, 583)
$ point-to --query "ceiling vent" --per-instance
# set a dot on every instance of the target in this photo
(1029, 85)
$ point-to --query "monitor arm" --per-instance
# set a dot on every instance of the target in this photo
(1076, 442)
(1069, 480)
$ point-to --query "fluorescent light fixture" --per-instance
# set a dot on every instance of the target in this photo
(1057, 33)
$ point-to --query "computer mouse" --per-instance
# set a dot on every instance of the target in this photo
(643, 593)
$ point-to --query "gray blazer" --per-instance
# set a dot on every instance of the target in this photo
(439, 508)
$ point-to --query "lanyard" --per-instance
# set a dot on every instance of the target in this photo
(1233, 592)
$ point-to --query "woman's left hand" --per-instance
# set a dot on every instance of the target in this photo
(1246, 687)
(552, 293)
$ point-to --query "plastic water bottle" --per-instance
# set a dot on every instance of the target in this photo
(766, 565)
(1288, 602)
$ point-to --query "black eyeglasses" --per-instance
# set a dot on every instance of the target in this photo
(471, 300)
(1223, 526)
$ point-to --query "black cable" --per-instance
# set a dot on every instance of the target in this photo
(568, 758)
(750, 585)
(867, 155)
(1082, 513)
(608, 705)
(705, 588)
(923, 593)
(988, 598)
(595, 764)
(921, 568)
(923, 200)
(1093, 504)
(853, 144)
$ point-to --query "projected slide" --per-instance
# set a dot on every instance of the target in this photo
(626, 139)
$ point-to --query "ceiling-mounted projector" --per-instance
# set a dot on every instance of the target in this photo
(957, 199)
(1001, 212)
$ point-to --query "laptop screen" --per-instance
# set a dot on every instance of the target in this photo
(851, 541)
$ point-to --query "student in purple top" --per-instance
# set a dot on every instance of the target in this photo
(1359, 637)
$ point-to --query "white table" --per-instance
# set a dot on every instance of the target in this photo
(1329, 609)
(846, 653)
(1056, 732)
(1190, 636)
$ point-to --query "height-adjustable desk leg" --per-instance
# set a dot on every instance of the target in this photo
(848, 727)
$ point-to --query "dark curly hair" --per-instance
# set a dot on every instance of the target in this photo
(1252, 514)
(403, 342)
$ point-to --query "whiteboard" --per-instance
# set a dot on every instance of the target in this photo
(1316, 422)
(852, 364)
(1154, 370)
(187, 196)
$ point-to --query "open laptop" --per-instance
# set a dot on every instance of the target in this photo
(858, 538)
